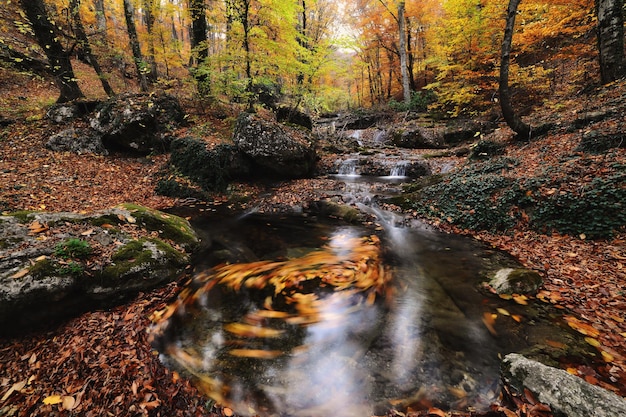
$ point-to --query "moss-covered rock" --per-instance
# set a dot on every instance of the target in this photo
(66, 273)
(169, 226)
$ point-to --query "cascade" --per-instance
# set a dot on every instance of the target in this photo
(348, 168)
(399, 169)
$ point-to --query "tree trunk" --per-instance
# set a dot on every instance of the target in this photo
(611, 39)
(134, 44)
(101, 20)
(199, 28)
(148, 6)
(511, 118)
(58, 58)
(403, 68)
(81, 35)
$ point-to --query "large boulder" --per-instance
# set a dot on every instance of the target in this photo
(275, 149)
(54, 265)
(566, 394)
(77, 140)
(138, 123)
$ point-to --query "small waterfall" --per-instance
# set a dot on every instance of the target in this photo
(347, 168)
(399, 169)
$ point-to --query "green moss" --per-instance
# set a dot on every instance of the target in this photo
(43, 268)
(73, 248)
(23, 216)
(136, 256)
(168, 226)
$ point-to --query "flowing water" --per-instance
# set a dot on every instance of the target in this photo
(419, 332)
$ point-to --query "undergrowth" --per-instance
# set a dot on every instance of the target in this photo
(483, 197)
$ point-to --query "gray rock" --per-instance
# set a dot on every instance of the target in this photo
(275, 149)
(516, 281)
(79, 141)
(416, 137)
(44, 279)
(566, 394)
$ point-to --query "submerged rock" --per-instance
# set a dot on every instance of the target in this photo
(566, 394)
(516, 281)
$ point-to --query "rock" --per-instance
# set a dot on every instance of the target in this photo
(416, 137)
(137, 123)
(210, 169)
(44, 280)
(294, 116)
(566, 394)
(273, 148)
(79, 141)
(67, 112)
(516, 281)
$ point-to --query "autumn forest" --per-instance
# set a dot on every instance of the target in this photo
(399, 208)
(323, 55)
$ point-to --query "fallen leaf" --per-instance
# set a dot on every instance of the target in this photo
(53, 399)
(68, 403)
(21, 273)
(87, 232)
(18, 386)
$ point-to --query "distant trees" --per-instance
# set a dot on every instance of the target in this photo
(409, 51)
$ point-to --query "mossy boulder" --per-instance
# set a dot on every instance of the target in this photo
(55, 265)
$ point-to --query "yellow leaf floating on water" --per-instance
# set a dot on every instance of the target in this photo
(256, 353)
(52, 399)
(503, 312)
(247, 330)
(520, 299)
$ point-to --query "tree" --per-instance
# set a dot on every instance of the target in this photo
(511, 118)
(149, 19)
(81, 36)
(611, 39)
(48, 39)
(403, 65)
(134, 44)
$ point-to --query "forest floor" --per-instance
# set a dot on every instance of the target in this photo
(101, 362)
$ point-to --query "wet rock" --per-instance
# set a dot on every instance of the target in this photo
(80, 141)
(44, 280)
(516, 281)
(566, 394)
(138, 123)
(275, 149)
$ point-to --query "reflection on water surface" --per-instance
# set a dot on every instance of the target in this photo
(311, 318)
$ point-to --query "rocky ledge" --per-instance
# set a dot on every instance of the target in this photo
(55, 265)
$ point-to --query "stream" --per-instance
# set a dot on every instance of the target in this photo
(424, 332)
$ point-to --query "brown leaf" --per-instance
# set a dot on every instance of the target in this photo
(21, 273)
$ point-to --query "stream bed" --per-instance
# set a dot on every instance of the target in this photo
(305, 315)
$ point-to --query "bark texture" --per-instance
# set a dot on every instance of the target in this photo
(611, 39)
(48, 39)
